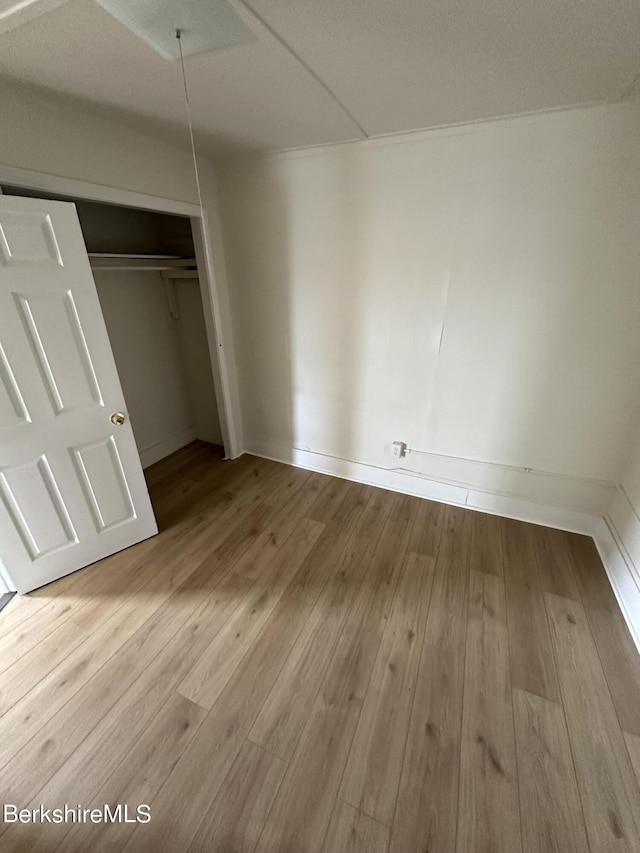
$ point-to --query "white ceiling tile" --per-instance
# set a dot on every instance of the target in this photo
(251, 96)
(15, 13)
(395, 66)
(422, 63)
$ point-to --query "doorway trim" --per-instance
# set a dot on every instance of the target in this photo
(218, 328)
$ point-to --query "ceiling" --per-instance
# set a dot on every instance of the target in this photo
(323, 71)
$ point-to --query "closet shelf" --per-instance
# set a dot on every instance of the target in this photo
(152, 263)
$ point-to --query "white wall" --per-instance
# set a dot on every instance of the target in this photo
(41, 133)
(163, 363)
(145, 346)
(194, 358)
(472, 292)
(44, 134)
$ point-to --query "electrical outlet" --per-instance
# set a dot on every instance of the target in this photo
(398, 449)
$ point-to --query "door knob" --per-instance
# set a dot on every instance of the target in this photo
(117, 418)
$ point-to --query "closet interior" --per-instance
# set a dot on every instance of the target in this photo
(146, 276)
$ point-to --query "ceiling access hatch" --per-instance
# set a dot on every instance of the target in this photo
(205, 25)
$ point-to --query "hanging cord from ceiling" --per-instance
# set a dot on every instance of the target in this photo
(205, 239)
(190, 122)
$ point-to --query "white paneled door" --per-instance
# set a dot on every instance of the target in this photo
(72, 489)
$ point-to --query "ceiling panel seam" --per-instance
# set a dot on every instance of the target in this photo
(306, 66)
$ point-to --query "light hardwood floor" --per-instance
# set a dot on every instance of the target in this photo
(299, 664)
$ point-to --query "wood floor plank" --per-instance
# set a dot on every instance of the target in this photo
(531, 654)
(168, 463)
(58, 601)
(117, 733)
(184, 460)
(28, 670)
(172, 489)
(20, 609)
(215, 488)
(486, 544)
(164, 570)
(286, 709)
(141, 774)
(117, 693)
(371, 777)
(198, 776)
(179, 467)
(320, 564)
(91, 580)
(351, 507)
(633, 746)
(550, 807)
(186, 484)
(138, 775)
(324, 509)
(236, 817)
(427, 529)
(118, 581)
(374, 515)
(241, 537)
(157, 574)
(554, 562)
(302, 810)
(323, 677)
(180, 508)
(279, 527)
(619, 655)
(520, 564)
(427, 805)
(247, 482)
(290, 485)
(244, 481)
(51, 694)
(488, 817)
(608, 788)
(350, 831)
(404, 512)
(299, 493)
(209, 676)
(32, 631)
(71, 590)
(533, 666)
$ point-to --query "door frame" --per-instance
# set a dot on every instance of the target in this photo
(217, 324)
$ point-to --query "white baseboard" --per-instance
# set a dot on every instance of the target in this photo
(168, 445)
(617, 537)
(624, 519)
(616, 530)
(459, 494)
(582, 494)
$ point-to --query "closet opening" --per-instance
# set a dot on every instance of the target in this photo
(146, 275)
